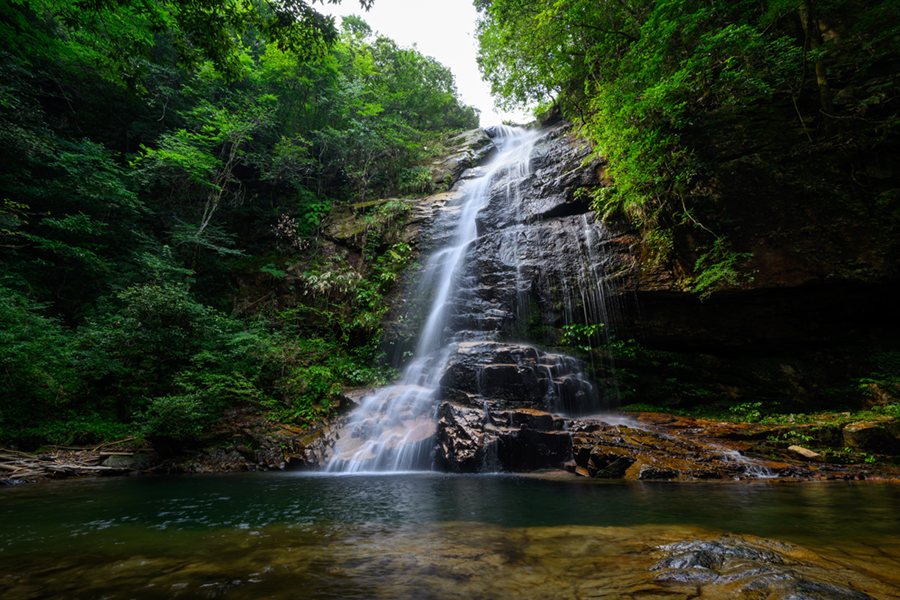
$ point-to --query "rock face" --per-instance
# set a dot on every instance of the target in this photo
(494, 408)
(465, 150)
(516, 375)
(541, 260)
(472, 440)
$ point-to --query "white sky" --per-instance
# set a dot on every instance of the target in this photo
(442, 29)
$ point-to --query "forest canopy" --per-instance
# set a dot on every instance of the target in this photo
(653, 84)
(160, 162)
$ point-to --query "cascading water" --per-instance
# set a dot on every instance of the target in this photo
(479, 286)
(393, 428)
(511, 164)
(517, 256)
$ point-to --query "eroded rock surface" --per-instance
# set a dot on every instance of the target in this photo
(472, 440)
(514, 374)
(625, 451)
(465, 150)
(745, 567)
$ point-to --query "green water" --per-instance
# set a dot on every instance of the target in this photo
(392, 536)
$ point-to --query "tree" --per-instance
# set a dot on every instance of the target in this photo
(645, 79)
(198, 163)
(147, 173)
(121, 33)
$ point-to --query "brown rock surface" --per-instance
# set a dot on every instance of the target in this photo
(805, 454)
(873, 436)
(629, 452)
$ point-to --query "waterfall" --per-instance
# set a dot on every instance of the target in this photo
(479, 288)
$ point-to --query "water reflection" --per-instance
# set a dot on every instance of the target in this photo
(388, 536)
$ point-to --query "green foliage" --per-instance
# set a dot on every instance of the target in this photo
(313, 371)
(119, 35)
(310, 211)
(884, 376)
(271, 270)
(648, 80)
(415, 180)
(151, 150)
(748, 412)
(34, 355)
(379, 222)
(580, 336)
(205, 391)
(152, 332)
(718, 268)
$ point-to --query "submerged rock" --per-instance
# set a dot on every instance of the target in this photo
(745, 567)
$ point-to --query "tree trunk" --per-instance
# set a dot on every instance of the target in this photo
(810, 21)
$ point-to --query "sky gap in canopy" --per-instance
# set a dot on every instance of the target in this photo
(443, 30)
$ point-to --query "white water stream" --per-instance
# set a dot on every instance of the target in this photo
(393, 428)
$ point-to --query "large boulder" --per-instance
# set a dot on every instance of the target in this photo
(472, 440)
(873, 436)
(516, 375)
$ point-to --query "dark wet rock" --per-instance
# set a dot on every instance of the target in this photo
(138, 462)
(558, 172)
(524, 418)
(751, 568)
(494, 370)
(487, 435)
(460, 439)
(543, 275)
(522, 450)
(873, 436)
(471, 440)
(516, 375)
(542, 260)
(464, 151)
